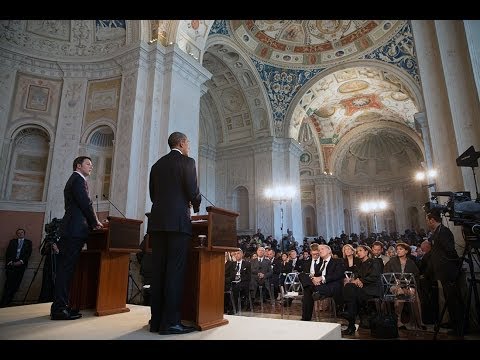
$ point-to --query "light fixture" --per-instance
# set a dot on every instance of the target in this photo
(374, 206)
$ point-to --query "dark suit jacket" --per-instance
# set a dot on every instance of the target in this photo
(173, 186)
(334, 274)
(444, 262)
(245, 274)
(79, 216)
(25, 252)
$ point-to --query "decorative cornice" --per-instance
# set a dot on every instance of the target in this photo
(186, 66)
(208, 151)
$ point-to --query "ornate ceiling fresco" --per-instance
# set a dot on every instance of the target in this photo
(312, 43)
(350, 97)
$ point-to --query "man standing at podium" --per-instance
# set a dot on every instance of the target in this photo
(79, 218)
(173, 190)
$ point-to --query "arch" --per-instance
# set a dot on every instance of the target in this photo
(410, 83)
(27, 164)
(389, 223)
(92, 128)
(99, 147)
(254, 76)
(309, 221)
(30, 123)
(354, 134)
(241, 205)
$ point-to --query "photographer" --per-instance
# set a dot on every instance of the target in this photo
(445, 265)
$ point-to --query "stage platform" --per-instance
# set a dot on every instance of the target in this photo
(32, 322)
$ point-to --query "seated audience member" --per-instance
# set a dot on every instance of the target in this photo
(350, 261)
(17, 255)
(261, 273)
(365, 285)
(403, 264)
(237, 278)
(322, 277)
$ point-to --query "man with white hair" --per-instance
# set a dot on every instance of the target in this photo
(320, 279)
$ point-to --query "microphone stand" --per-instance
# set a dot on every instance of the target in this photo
(113, 205)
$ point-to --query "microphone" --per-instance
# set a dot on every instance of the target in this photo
(96, 197)
(113, 205)
(207, 200)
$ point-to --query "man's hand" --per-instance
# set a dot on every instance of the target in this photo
(98, 226)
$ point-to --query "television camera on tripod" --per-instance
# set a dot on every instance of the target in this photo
(464, 212)
(49, 251)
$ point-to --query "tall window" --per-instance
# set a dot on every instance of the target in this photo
(100, 149)
(240, 204)
(28, 165)
(310, 221)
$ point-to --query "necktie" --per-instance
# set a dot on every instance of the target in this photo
(323, 266)
(237, 267)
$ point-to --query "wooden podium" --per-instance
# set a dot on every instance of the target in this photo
(203, 294)
(205, 280)
(101, 277)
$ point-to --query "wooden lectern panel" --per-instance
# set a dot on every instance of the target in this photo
(101, 277)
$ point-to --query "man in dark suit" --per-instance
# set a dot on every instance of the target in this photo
(78, 220)
(16, 259)
(322, 277)
(445, 265)
(173, 190)
(237, 278)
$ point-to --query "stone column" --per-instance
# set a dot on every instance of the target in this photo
(65, 148)
(422, 121)
(294, 150)
(267, 213)
(462, 91)
(7, 83)
(206, 175)
(182, 89)
(444, 146)
(472, 30)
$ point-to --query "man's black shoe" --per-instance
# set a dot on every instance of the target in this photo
(64, 315)
(177, 329)
(74, 311)
(349, 331)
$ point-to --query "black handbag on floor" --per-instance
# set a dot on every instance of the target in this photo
(384, 326)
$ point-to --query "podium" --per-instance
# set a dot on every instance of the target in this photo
(203, 294)
(101, 276)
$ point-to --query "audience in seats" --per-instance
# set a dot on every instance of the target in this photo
(365, 285)
(275, 264)
(322, 277)
(377, 253)
(403, 264)
(285, 268)
(261, 273)
(237, 278)
(350, 261)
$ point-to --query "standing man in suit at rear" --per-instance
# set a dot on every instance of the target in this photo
(79, 218)
(173, 190)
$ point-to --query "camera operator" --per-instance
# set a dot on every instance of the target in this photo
(49, 250)
(445, 265)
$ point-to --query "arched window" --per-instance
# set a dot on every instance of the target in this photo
(413, 218)
(309, 221)
(389, 221)
(240, 204)
(100, 149)
(28, 165)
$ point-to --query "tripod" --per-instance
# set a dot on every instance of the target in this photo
(472, 245)
(131, 284)
(45, 252)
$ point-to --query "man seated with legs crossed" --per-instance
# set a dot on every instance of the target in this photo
(322, 277)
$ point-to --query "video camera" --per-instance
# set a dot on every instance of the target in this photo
(53, 230)
(460, 208)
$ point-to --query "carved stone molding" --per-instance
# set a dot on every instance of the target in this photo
(179, 62)
(207, 151)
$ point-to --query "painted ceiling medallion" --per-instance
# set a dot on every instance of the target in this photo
(352, 86)
(325, 112)
(311, 42)
(399, 96)
(354, 104)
